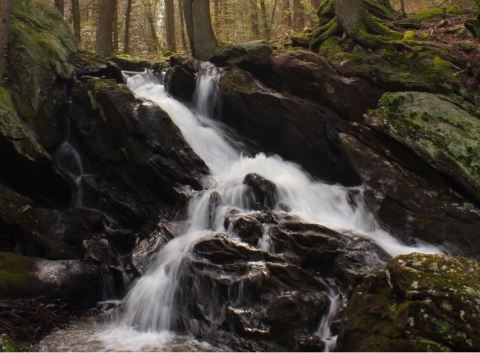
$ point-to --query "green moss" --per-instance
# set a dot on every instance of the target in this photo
(438, 130)
(6, 344)
(416, 305)
(14, 271)
(436, 12)
(409, 35)
(40, 45)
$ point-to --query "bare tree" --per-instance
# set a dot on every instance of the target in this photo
(128, 14)
(76, 18)
(60, 5)
(104, 43)
(170, 25)
(199, 28)
(253, 9)
(5, 12)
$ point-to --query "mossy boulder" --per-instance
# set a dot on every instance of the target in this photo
(438, 12)
(74, 282)
(16, 137)
(40, 46)
(440, 129)
(253, 55)
(419, 303)
(420, 69)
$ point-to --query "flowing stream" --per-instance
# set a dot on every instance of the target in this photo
(149, 307)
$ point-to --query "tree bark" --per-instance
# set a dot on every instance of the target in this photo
(182, 25)
(170, 25)
(299, 15)
(199, 28)
(128, 14)
(155, 45)
(76, 18)
(266, 26)
(115, 26)
(5, 13)
(60, 5)
(349, 14)
(104, 43)
(253, 10)
(286, 13)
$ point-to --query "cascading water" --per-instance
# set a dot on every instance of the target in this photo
(70, 162)
(150, 304)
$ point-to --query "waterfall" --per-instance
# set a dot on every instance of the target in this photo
(70, 163)
(150, 304)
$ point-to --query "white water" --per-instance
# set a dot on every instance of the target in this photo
(149, 306)
(70, 162)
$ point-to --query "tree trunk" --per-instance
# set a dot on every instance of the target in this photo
(76, 18)
(104, 45)
(155, 45)
(253, 10)
(182, 25)
(170, 25)
(115, 26)
(266, 26)
(199, 28)
(368, 22)
(349, 15)
(286, 13)
(128, 14)
(299, 15)
(5, 12)
(60, 5)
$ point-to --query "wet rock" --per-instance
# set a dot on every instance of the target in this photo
(409, 198)
(311, 76)
(240, 282)
(214, 202)
(254, 55)
(131, 63)
(420, 303)
(74, 282)
(90, 65)
(248, 228)
(262, 193)
(145, 250)
(134, 145)
(180, 79)
(297, 130)
(293, 316)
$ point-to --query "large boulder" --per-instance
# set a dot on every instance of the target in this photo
(74, 282)
(409, 198)
(254, 56)
(420, 303)
(133, 145)
(40, 47)
(180, 79)
(311, 76)
(295, 129)
(439, 130)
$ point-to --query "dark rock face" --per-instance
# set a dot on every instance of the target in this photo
(90, 65)
(420, 303)
(296, 129)
(258, 299)
(252, 56)
(134, 146)
(409, 198)
(74, 282)
(262, 193)
(180, 79)
(310, 76)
